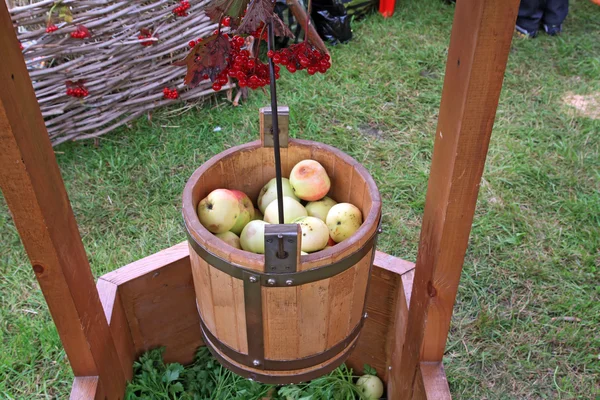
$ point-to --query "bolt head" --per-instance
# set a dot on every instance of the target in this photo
(365, 315)
(271, 281)
(379, 230)
(253, 279)
(289, 282)
(256, 363)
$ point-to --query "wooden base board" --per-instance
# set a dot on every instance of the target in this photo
(151, 303)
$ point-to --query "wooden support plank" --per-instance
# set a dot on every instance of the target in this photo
(32, 185)
(117, 321)
(86, 388)
(435, 383)
(479, 46)
(160, 304)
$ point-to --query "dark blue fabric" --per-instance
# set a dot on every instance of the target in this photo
(532, 13)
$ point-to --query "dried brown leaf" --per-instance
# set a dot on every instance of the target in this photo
(208, 57)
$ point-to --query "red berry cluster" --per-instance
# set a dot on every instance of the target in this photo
(181, 9)
(192, 43)
(260, 32)
(226, 21)
(301, 56)
(146, 35)
(51, 28)
(80, 33)
(77, 92)
(170, 94)
(250, 72)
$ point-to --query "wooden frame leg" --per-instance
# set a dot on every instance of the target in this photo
(481, 36)
(32, 185)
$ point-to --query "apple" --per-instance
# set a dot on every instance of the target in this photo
(253, 237)
(320, 208)
(303, 253)
(269, 193)
(219, 210)
(331, 242)
(230, 238)
(343, 220)
(292, 209)
(309, 180)
(371, 386)
(257, 215)
(314, 233)
(246, 214)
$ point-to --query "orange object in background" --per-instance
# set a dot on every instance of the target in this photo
(596, 2)
(386, 7)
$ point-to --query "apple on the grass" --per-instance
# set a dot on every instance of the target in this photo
(292, 209)
(230, 238)
(269, 193)
(343, 220)
(246, 214)
(314, 233)
(309, 180)
(320, 208)
(219, 210)
(253, 237)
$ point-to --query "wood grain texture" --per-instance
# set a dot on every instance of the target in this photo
(160, 304)
(34, 191)
(479, 46)
(119, 327)
(435, 383)
(86, 388)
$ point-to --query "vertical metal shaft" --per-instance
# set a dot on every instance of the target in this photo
(271, 46)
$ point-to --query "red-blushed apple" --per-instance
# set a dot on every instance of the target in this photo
(257, 215)
(320, 208)
(309, 180)
(314, 233)
(343, 220)
(247, 213)
(219, 210)
(230, 238)
(269, 193)
(253, 237)
(292, 209)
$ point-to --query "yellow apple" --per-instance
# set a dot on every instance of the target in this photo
(269, 193)
(292, 209)
(320, 208)
(230, 238)
(314, 233)
(309, 180)
(343, 220)
(219, 210)
(246, 214)
(253, 237)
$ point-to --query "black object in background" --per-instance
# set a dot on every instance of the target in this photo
(331, 20)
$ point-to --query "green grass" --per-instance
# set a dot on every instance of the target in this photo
(534, 249)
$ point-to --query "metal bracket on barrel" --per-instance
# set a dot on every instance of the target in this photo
(282, 248)
(266, 126)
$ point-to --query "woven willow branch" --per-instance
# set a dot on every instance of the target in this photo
(124, 78)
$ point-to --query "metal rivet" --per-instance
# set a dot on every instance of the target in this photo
(256, 363)
(253, 279)
(365, 315)
(289, 282)
(271, 281)
(269, 240)
(379, 230)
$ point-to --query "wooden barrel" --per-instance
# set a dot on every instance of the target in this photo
(291, 327)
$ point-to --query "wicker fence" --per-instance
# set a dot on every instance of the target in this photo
(124, 78)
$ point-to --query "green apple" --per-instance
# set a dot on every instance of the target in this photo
(253, 237)
(219, 210)
(320, 208)
(309, 180)
(292, 209)
(247, 213)
(230, 238)
(303, 253)
(371, 386)
(343, 220)
(269, 193)
(314, 233)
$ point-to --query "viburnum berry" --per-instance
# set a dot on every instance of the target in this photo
(145, 34)
(81, 33)
(302, 56)
(226, 21)
(192, 44)
(181, 9)
(216, 86)
(51, 28)
(78, 92)
(172, 94)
